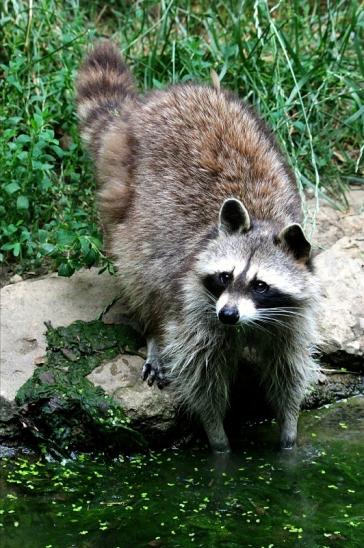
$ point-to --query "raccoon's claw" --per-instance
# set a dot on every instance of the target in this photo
(153, 372)
(147, 367)
(152, 376)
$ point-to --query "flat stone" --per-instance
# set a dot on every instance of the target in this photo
(147, 407)
(26, 305)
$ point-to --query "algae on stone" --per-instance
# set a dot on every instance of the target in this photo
(64, 411)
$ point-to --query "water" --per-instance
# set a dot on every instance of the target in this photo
(310, 497)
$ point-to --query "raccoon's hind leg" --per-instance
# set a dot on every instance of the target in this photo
(285, 398)
(214, 428)
(288, 420)
(153, 368)
(286, 391)
(209, 402)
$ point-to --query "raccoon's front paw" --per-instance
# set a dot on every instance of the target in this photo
(153, 371)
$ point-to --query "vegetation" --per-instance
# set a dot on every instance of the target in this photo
(300, 63)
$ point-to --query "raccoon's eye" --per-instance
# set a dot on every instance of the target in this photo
(259, 286)
(224, 278)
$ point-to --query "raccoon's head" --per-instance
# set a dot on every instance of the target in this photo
(252, 271)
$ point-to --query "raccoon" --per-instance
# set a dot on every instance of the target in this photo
(202, 215)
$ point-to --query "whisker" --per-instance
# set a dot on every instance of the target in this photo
(254, 324)
(281, 326)
(275, 322)
(279, 313)
(282, 309)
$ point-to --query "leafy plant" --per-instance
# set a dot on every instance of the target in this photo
(47, 202)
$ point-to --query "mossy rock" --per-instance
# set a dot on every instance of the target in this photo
(61, 409)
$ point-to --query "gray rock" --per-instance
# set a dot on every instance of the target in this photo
(150, 410)
(328, 225)
(334, 385)
(15, 279)
(341, 273)
(84, 296)
(26, 305)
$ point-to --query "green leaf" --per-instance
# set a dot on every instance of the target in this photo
(65, 237)
(22, 203)
(23, 138)
(7, 247)
(48, 248)
(85, 245)
(16, 249)
(42, 235)
(12, 187)
(66, 270)
(357, 114)
(90, 258)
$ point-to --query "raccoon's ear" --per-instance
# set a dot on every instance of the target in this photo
(292, 237)
(233, 217)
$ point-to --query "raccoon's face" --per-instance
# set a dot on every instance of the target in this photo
(252, 273)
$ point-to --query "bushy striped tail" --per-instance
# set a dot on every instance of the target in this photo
(104, 84)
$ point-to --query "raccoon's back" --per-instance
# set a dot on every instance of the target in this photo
(197, 146)
(167, 161)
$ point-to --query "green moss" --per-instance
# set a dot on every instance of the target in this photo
(62, 409)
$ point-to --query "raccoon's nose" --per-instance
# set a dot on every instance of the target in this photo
(229, 315)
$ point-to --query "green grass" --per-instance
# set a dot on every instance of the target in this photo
(300, 63)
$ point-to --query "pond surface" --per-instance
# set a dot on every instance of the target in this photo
(312, 496)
